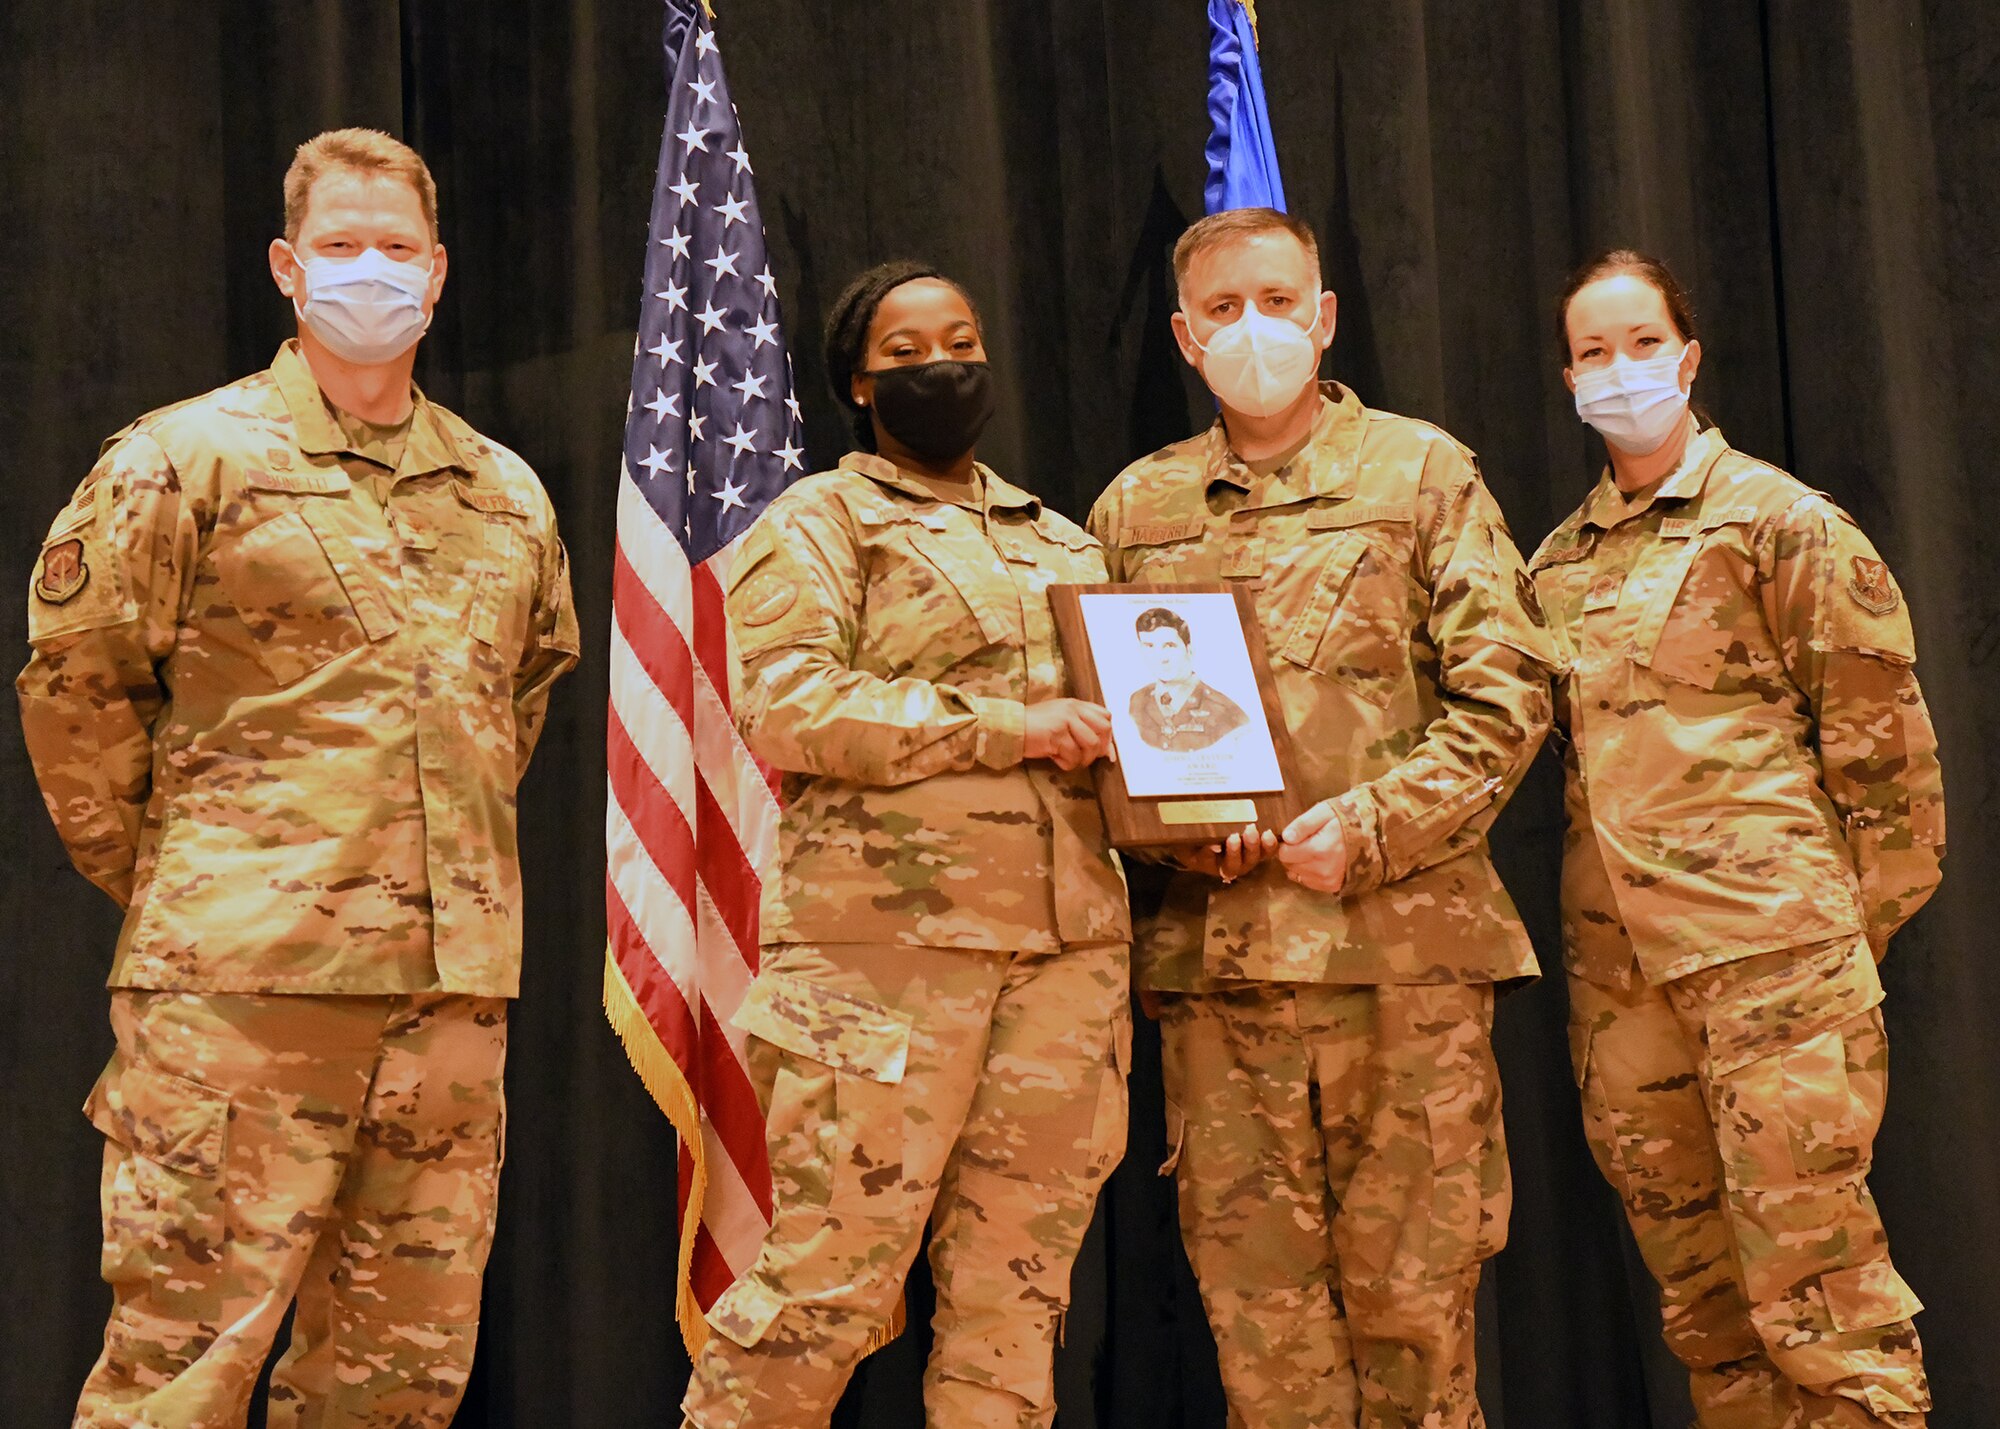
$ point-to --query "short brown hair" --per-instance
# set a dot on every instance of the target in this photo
(366, 151)
(1643, 266)
(1233, 224)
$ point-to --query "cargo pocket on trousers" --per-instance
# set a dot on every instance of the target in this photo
(1598, 1130)
(834, 1128)
(1469, 1188)
(1112, 1122)
(165, 1212)
(1798, 1062)
(1868, 1300)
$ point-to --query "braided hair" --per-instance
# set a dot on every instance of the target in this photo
(847, 331)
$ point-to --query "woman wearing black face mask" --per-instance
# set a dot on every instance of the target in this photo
(938, 1027)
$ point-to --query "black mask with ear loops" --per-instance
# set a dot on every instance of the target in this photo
(936, 409)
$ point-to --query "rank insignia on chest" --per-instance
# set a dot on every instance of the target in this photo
(63, 572)
(1871, 586)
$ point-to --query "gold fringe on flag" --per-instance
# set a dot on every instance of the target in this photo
(662, 1077)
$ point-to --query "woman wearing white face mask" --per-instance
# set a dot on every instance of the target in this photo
(1754, 807)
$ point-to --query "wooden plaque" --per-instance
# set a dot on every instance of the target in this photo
(1195, 771)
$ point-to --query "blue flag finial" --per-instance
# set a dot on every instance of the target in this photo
(1242, 160)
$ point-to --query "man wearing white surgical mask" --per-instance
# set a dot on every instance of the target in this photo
(293, 646)
(1325, 991)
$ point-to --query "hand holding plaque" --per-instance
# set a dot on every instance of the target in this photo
(1201, 743)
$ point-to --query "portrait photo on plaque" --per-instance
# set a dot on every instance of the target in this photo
(1176, 672)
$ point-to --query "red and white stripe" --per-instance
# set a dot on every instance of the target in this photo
(690, 828)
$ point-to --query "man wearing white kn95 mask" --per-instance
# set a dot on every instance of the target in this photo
(1325, 991)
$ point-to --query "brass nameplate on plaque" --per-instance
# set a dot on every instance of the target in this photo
(1208, 811)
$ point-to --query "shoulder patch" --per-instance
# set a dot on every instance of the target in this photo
(1869, 583)
(63, 572)
(764, 600)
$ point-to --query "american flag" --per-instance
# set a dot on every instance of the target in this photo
(712, 433)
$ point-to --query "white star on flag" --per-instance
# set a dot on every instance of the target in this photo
(744, 441)
(767, 282)
(656, 461)
(686, 188)
(752, 385)
(732, 209)
(694, 138)
(664, 405)
(711, 317)
(704, 373)
(675, 298)
(790, 455)
(742, 158)
(666, 351)
(764, 332)
(731, 494)
(704, 93)
(722, 263)
(677, 241)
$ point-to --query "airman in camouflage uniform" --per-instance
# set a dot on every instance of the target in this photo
(288, 668)
(1332, 1098)
(939, 1026)
(1754, 807)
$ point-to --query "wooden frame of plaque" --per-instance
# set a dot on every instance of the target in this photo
(1211, 814)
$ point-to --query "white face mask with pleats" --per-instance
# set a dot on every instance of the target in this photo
(367, 309)
(1635, 404)
(1259, 364)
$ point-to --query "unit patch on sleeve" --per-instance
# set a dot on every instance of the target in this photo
(1871, 586)
(63, 572)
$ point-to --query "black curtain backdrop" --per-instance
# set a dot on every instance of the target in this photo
(1822, 173)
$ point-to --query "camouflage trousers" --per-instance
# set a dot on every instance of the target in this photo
(1342, 1174)
(1734, 1110)
(981, 1090)
(343, 1150)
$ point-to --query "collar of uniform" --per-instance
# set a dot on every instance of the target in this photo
(1327, 466)
(999, 494)
(431, 446)
(1607, 505)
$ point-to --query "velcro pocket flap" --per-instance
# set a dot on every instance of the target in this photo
(1689, 651)
(1867, 1296)
(1790, 1008)
(379, 616)
(1303, 639)
(164, 1118)
(817, 1023)
(745, 1312)
(1450, 1114)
